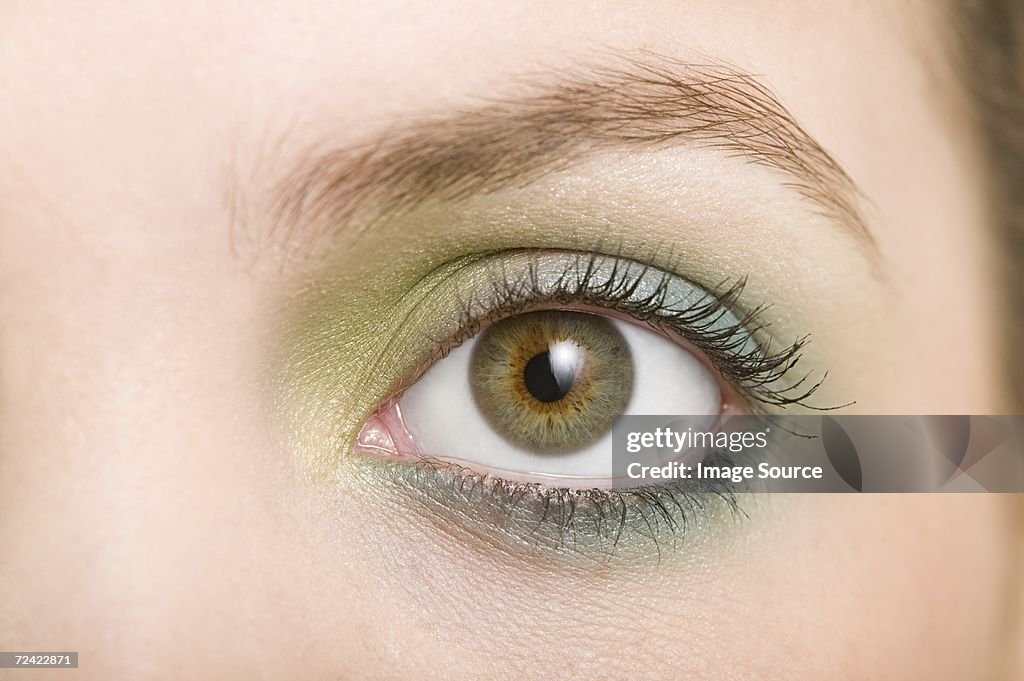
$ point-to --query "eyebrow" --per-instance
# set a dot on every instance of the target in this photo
(558, 121)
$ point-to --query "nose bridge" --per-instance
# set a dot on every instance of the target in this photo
(74, 344)
(110, 324)
(120, 413)
(75, 340)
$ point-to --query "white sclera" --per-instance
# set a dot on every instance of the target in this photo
(444, 420)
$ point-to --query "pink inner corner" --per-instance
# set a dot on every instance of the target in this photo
(384, 434)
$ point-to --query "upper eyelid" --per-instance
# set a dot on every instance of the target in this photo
(344, 343)
(756, 370)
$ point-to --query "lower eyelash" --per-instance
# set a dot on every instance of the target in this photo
(707, 321)
(651, 520)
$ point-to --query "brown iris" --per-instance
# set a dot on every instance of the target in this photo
(553, 380)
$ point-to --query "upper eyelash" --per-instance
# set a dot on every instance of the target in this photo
(755, 371)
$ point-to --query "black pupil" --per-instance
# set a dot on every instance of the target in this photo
(542, 381)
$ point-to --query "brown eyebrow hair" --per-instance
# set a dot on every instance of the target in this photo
(648, 101)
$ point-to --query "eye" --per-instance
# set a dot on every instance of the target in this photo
(535, 395)
(551, 359)
(503, 425)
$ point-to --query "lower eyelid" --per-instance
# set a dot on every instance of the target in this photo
(532, 521)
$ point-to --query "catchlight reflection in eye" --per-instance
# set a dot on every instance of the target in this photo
(536, 394)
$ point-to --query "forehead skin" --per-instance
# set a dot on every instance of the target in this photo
(151, 514)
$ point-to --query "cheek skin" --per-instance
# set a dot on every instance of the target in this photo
(847, 596)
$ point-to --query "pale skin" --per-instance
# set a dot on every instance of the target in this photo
(165, 506)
